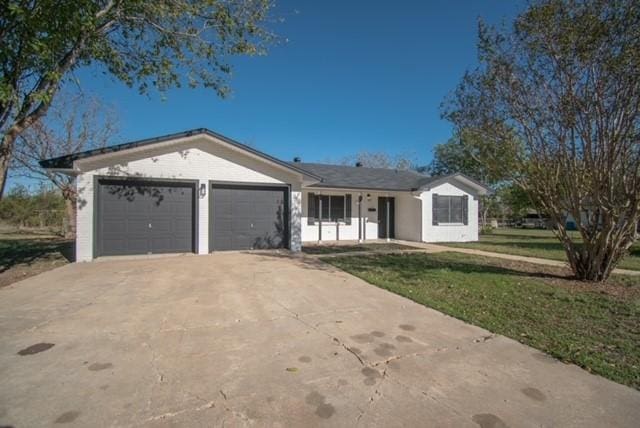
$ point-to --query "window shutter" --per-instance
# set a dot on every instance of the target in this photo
(312, 209)
(434, 210)
(347, 209)
(465, 209)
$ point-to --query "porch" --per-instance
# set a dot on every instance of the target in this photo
(346, 215)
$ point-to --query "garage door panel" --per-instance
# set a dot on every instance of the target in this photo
(137, 217)
(162, 226)
(223, 210)
(116, 226)
(182, 225)
(248, 218)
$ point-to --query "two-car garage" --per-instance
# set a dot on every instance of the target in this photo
(151, 217)
(190, 192)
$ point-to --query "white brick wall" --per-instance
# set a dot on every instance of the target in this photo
(412, 217)
(408, 217)
(195, 158)
(448, 232)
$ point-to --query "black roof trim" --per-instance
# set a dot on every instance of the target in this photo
(66, 162)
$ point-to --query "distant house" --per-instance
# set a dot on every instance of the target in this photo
(198, 191)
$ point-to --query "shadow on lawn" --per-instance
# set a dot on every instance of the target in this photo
(413, 265)
(532, 244)
(333, 249)
(520, 236)
(539, 246)
(26, 251)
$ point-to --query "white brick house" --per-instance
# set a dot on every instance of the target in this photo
(198, 191)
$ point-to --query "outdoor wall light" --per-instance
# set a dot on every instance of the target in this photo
(368, 196)
(203, 190)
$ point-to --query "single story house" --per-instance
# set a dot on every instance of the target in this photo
(198, 191)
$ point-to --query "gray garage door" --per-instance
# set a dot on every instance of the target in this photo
(246, 218)
(136, 217)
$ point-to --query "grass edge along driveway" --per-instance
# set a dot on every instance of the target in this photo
(598, 331)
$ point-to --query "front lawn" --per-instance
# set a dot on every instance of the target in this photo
(535, 243)
(594, 326)
(25, 254)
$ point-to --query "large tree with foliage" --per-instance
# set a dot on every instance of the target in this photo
(145, 44)
(561, 90)
(470, 153)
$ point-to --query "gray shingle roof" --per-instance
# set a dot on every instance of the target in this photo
(351, 177)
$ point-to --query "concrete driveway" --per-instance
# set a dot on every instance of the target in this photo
(238, 339)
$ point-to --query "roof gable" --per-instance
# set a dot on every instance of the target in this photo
(67, 161)
(466, 181)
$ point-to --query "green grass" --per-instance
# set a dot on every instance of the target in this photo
(575, 322)
(339, 249)
(535, 243)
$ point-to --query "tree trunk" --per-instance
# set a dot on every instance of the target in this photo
(595, 259)
(485, 213)
(71, 213)
(6, 149)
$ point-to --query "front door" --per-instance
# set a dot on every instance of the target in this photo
(386, 218)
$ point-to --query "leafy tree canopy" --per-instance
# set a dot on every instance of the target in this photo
(145, 44)
(561, 91)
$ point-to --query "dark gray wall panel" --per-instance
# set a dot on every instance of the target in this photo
(145, 217)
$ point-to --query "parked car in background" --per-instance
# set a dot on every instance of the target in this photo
(533, 221)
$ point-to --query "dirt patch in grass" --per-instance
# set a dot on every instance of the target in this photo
(25, 255)
(325, 249)
(622, 286)
(596, 326)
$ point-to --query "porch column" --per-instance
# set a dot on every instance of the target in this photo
(360, 218)
(319, 219)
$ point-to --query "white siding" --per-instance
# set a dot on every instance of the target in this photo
(448, 232)
(197, 158)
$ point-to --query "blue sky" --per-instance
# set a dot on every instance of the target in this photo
(353, 75)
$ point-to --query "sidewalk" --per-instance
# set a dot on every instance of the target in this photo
(436, 248)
